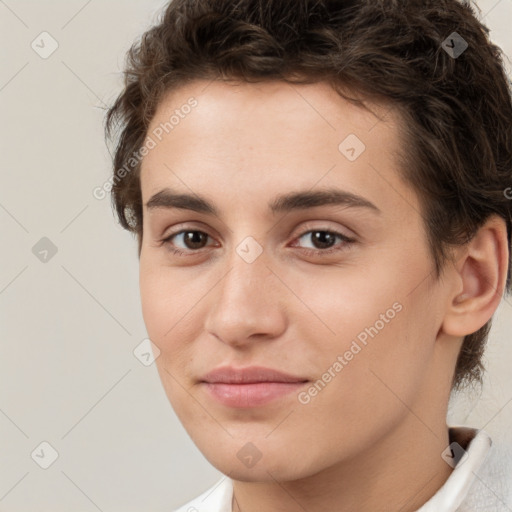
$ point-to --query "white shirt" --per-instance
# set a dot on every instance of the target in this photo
(471, 487)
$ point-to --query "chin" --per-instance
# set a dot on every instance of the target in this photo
(267, 466)
(261, 472)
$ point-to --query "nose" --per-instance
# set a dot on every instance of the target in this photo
(247, 303)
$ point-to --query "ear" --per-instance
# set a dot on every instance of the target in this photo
(480, 277)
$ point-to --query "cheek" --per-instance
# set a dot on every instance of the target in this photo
(345, 305)
(166, 296)
(373, 331)
(365, 388)
(167, 305)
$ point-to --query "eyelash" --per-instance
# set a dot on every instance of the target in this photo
(347, 242)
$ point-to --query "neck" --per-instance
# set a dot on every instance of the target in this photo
(400, 471)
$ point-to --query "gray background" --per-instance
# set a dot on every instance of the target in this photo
(70, 324)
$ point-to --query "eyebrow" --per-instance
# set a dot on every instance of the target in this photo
(168, 199)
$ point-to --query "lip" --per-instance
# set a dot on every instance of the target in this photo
(249, 375)
(249, 387)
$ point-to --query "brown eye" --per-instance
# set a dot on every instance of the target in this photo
(324, 241)
(194, 239)
(186, 241)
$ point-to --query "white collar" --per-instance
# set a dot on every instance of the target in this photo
(448, 498)
(476, 445)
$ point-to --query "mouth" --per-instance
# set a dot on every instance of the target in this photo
(249, 387)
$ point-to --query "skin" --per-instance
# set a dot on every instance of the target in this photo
(372, 438)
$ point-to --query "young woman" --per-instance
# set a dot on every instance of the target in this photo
(319, 192)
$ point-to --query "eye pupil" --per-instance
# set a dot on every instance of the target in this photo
(194, 237)
(320, 236)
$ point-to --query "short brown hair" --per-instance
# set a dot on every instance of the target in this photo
(456, 109)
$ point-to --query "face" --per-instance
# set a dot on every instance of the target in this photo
(299, 250)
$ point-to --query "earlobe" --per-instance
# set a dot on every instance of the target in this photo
(480, 274)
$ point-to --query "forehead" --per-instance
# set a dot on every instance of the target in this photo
(311, 111)
(243, 139)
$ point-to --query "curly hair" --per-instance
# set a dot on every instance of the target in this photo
(456, 107)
